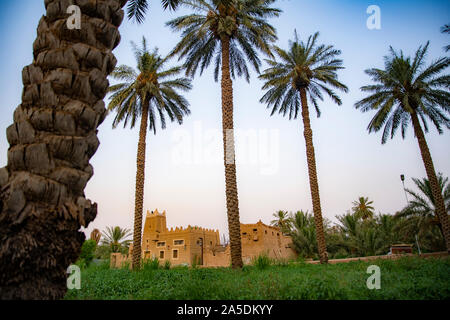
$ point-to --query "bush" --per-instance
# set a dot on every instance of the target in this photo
(167, 265)
(151, 264)
(102, 252)
(87, 251)
(262, 262)
(81, 263)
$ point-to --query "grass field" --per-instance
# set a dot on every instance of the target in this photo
(406, 278)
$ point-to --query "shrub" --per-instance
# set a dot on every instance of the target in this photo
(87, 251)
(262, 261)
(102, 252)
(81, 263)
(151, 264)
(167, 265)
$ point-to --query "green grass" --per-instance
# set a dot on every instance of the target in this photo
(406, 278)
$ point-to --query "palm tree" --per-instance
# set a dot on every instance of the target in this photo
(228, 31)
(303, 234)
(146, 93)
(362, 208)
(305, 71)
(53, 137)
(281, 221)
(421, 210)
(407, 91)
(348, 225)
(116, 238)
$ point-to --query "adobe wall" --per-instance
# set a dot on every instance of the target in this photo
(118, 260)
(260, 238)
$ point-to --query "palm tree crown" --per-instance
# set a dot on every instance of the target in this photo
(242, 22)
(304, 66)
(446, 29)
(138, 8)
(116, 237)
(423, 204)
(363, 208)
(303, 233)
(148, 86)
(420, 216)
(281, 221)
(404, 87)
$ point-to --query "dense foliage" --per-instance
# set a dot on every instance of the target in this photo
(88, 251)
(360, 232)
(407, 278)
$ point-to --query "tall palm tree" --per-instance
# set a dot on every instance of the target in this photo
(116, 238)
(53, 137)
(306, 71)
(408, 91)
(148, 92)
(362, 208)
(228, 31)
(281, 221)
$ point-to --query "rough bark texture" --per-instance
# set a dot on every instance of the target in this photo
(139, 192)
(434, 184)
(234, 225)
(313, 182)
(52, 139)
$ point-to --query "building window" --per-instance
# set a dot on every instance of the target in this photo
(178, 242)
(161, 254)
(265, 231)
(272, 232)
(278, 234)
(244, 233)
(147, 240)
(161, 244)
(175, 254)
(255, 230)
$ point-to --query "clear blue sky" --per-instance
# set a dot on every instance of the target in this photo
(351, 163)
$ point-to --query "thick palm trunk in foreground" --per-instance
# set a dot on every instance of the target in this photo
(234, 224)
(434, 184)
(313, 183)
(139, 193)
(53, 137)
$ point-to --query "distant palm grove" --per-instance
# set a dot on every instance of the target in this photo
(54, 134)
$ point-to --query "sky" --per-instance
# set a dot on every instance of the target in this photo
(184, 168)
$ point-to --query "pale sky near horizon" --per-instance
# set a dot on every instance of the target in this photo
(184, 169)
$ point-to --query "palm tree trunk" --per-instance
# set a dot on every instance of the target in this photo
(139, 193)
(431, 174)
(52, 139)
(234, 225)
(313, 183)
